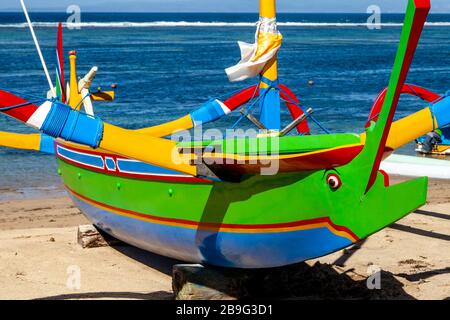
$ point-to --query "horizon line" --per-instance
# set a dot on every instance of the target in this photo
(217, 12)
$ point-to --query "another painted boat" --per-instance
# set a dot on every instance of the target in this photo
(409, 166)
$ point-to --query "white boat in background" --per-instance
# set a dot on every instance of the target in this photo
(411, 166)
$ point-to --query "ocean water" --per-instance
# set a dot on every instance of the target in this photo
(166, 65)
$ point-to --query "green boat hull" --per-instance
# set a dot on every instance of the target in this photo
(261, 222)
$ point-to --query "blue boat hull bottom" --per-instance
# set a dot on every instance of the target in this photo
(216, 248)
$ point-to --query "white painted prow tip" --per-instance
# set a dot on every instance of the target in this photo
(86, 81)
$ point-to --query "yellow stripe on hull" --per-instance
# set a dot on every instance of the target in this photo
(238, 158)
(205, 227)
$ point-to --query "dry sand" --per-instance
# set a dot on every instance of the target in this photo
(39, 255)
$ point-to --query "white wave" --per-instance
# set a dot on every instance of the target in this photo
(167, 24)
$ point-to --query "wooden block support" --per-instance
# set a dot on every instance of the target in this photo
(91, 237)
(300, 281)
(196, 282)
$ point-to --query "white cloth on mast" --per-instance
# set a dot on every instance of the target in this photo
(254, 57)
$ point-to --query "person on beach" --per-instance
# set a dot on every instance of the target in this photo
(432, 139)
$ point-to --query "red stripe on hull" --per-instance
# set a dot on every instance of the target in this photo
(217, 226)
(326, 159)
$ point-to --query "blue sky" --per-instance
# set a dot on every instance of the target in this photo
(218, 5)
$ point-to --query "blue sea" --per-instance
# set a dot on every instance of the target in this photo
(166, 65)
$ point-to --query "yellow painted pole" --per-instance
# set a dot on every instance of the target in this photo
(408, 129)
(166, 129)
(20, 141)
(75, 96)
(267, 9)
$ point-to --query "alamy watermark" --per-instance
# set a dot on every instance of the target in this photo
(232, 147)
(374, 20)
(374, 280)
(73, 278)
(74, 19)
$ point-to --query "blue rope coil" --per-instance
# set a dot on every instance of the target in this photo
(71, 125)
(56, 120)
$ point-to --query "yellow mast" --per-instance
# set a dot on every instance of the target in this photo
(267, 9)
(267, 37)
(75, 96)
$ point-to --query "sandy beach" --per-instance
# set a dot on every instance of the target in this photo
(39, 253)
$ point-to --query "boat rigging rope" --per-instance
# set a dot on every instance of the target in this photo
(40, 100)
(317, 122)
(25, 104)
(253, 103)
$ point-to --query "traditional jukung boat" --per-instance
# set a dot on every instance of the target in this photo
(260, 201)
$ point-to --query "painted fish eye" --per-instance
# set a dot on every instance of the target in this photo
(334, 182)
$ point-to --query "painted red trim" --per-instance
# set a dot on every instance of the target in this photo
(301, 223)
(302, 162)
(242, 97)
(21, 113)
(387, 181)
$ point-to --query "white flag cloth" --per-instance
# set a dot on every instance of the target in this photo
(254, 57)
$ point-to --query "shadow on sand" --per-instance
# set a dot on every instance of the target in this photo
(158, 295)
(300, 281)
(424, 275)
(156, 262)
(433, 214)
